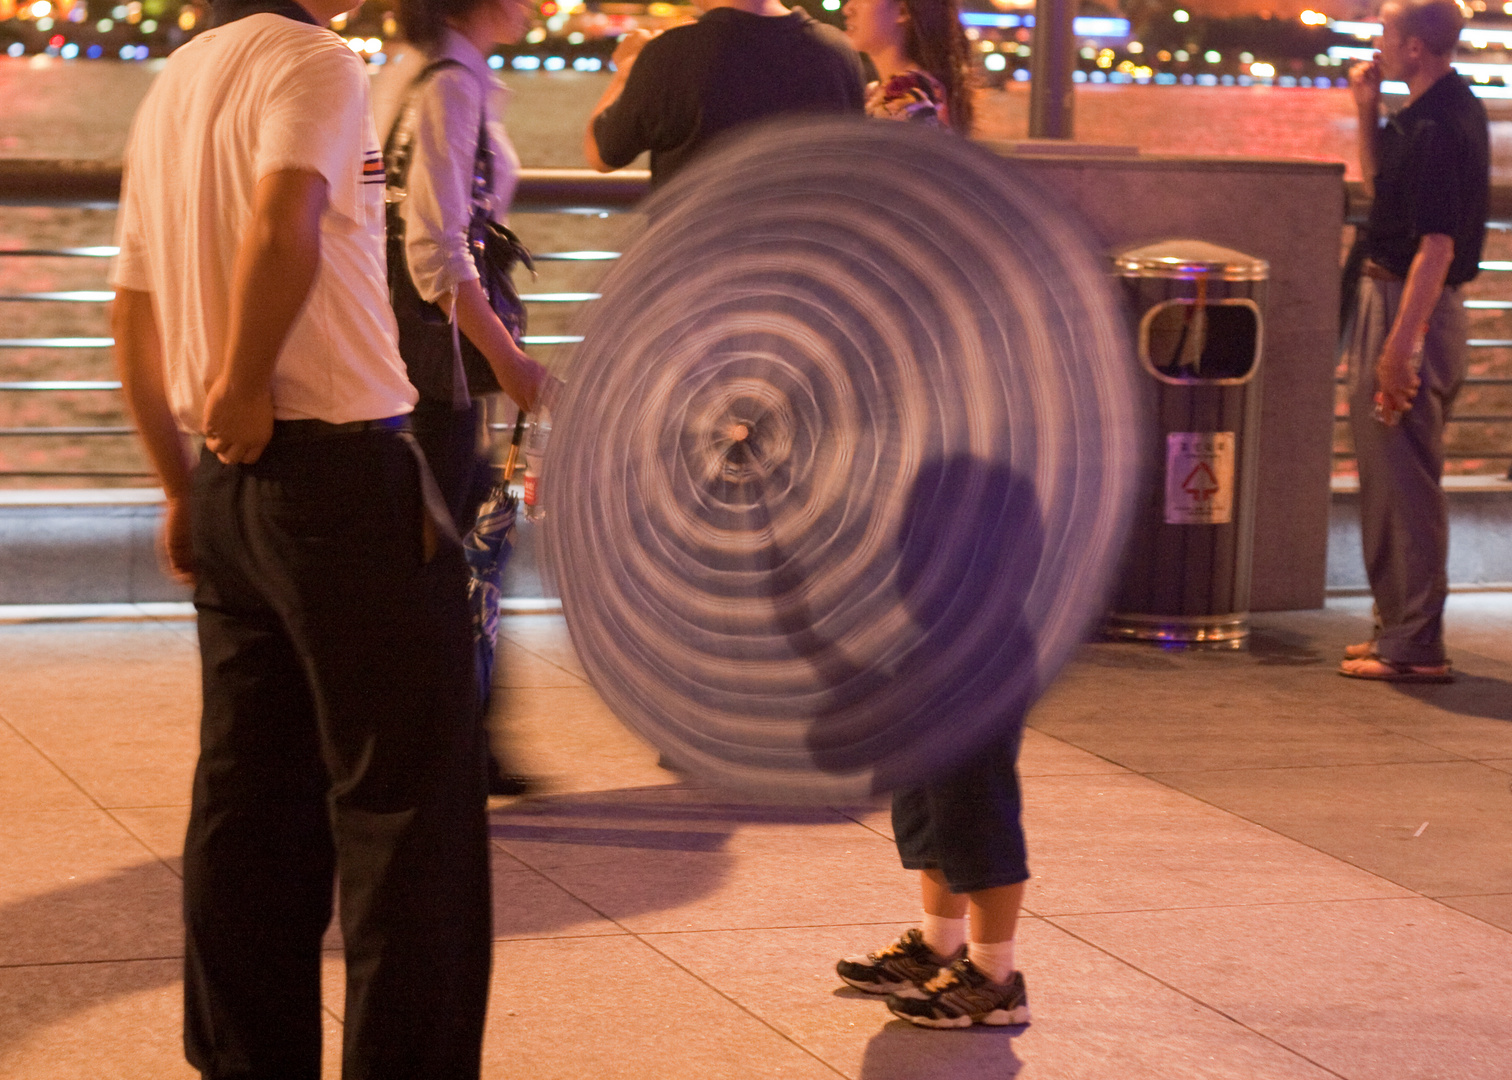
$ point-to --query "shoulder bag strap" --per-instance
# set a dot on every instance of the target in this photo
(398, 155)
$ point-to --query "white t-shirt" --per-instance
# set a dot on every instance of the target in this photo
(257, 96)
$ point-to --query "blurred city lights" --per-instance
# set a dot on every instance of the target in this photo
(1314, 18)
(1212, 56)
(41, 9)
(995, 62)
(1180, 16)
(1262, 71)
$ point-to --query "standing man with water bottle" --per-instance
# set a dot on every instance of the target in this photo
(1428, 170)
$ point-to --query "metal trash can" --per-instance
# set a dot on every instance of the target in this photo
(1197, 315)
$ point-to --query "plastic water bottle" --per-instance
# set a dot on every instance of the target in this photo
(536, 438)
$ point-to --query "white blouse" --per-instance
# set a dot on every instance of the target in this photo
(446, 115)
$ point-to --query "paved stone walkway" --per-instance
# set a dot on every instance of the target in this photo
(1245, 867)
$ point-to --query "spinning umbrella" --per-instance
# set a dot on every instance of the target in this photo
(845, 462)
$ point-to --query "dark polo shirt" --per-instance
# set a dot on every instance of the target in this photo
(1434, 177)
(695, 82)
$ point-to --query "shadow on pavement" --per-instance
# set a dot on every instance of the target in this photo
(78, 947)
(1468, 695)
(80, 928)
(1272, 647)
(901, 1051)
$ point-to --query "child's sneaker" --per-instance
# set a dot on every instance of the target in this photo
(900, 968)
(962, 995)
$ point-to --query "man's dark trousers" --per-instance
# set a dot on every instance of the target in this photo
(338, 741)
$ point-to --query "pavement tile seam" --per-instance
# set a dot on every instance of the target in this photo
(862, 822)
(1196, 1000)
(108, 962)
(1450, 758)
(22, 736)
(757, 1017)
(577, 680)
(1024, 916)
(173, 865)
(1297, 840)
(1045, 914)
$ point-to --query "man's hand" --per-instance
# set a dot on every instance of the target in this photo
(178, 546)
(1365, 84)
(625, 52)
(1396, 369)
(238, 424)
(629, 47)
(1396, 382)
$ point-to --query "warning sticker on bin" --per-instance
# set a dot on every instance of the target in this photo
(1199, 487)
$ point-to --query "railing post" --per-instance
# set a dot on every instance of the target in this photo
(1051, 91)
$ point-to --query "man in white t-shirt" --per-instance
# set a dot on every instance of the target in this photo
(338, 737)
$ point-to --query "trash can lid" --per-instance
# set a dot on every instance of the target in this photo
(1190, 259)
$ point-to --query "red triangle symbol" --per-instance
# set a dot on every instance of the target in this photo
(1201, 483)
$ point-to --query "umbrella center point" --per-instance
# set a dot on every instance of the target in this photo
(739, 432)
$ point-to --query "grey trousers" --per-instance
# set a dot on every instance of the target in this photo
(1404, 518)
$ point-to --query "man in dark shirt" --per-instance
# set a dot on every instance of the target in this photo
(1429, 169)
(744, 60)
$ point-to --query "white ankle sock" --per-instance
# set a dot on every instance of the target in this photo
(944, 935)
(994, 959)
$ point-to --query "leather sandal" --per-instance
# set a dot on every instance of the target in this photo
(1379, 669)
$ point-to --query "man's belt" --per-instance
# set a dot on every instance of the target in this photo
(1372, 269)
(307, 430)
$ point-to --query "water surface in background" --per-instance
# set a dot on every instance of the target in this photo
(83, 109)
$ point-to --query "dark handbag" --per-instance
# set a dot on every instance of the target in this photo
(442, 364)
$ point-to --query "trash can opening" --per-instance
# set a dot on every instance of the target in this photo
(1185, 340)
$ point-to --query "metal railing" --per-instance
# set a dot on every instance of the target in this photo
(579, 192)
(550, 191)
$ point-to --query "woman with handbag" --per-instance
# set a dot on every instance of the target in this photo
(963, 833)
(450, 173)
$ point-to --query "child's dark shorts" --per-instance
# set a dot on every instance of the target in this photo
(967, 825)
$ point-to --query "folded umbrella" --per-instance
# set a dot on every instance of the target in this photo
(486, 547)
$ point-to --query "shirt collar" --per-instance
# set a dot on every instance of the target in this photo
(1435, 97)
(228, 11)
(456, 47)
